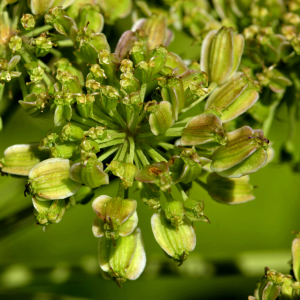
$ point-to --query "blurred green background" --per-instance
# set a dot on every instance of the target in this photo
(229, 258)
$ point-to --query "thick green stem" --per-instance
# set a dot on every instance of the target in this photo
(109, 152)
(117, 117)
(65, 43)
(120, 190)
(37, 31)
(181, 191)
(152, 153)
(141, 155)
(112, 143)
(202, 184)
(131, 149)
(124, 150)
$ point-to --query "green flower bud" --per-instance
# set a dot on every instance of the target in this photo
(43, 46)
(109, 97)
(69, 82)
(175, 213)
(129, 83)
(115, 217)
(296, 290)
(144, 71)
(177, 243)
(97, 133)
(195, 78)
(221, 54)
(59, 19)
(88, 147)
(6, 73)
(20, 159)
(194, 210)
(28, 21)
(286, 291)
(139, 49)
(49, 180)
(274, 79)
(296, 257)
(64, 65)
(36, 103)
(39, 7)
(229, 190)
(66, 150)
(173, 61)
(90, 173)
(35, 71)
(15, 43)
(235, 96)
(204, 131)
(96, 73)
(156, 29)
(61, 106)
(126, 172)
(109, 63)
(150, 197)
(157, 173)
(161, 116)
(124, 260)
(244, 153)
(186, 167)
(83, 196)
(90, 13)
(92, 86)
(71, 133)
(114, 9)
(88, 44)
(49, 141)
(270, 285)
(48, 212)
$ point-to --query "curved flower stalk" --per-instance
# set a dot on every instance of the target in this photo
(119, 114)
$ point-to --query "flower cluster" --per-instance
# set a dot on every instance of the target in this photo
(129, 114)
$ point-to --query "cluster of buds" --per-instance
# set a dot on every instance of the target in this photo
(129, 114)
(275, 285)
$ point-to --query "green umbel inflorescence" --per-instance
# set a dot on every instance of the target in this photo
(143, 114)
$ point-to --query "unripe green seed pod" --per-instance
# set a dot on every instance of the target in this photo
(43, 46)
(125, 171)
(270, 285)
(157, 173)
(109, 97)
(48, 212)
(90, 173)
(186, 167)
(173, 61)
(156, 29)
(15, 43)
(71, 133)
(286, 292)
(124, 260)
(175, 213)
(60, 20)
(235, 96)
(221, 54)
(88, 44)
(38, 7)
(204, 131)
(49, 180)
(296, 257)
(28, 21)
(69, 82)
(244, 153)
(177, 243)
(35, 103)
(161, 116)
(91, 13)
(20, 159)
(229, 190)
(115, 216)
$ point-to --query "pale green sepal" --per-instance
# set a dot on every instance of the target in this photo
(131, 223)
(296, 257)
(38, 7)
(99, 205)
(98, 227)
(238, 49)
